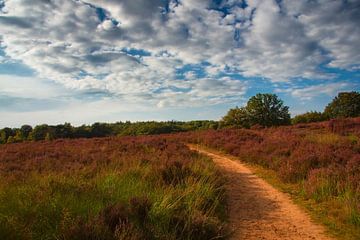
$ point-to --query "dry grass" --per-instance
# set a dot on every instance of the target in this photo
(321, 159)
(110, 188)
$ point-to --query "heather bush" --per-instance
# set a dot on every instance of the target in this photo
(109, 188)
(344, 126)
(322, 159)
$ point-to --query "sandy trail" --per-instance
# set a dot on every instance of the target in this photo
(259, 211)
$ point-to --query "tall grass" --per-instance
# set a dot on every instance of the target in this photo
(129, 188)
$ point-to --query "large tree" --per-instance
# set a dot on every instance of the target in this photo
(39, 132)
(346, 104)
(267, 110)
(263, 109)
(25, 131)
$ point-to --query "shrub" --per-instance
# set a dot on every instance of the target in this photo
(308, 117)
(346, 104)
(175, 173)
(115, 215)
(82, 230)
(107, 188)
(139, 208)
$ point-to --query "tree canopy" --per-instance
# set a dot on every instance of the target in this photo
(346, 104)
(308, 117)
(48, 132)
(267, 110)
(262, 109)
(236, 117)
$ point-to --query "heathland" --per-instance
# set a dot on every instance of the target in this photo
(154, 187)
(317, 163)
(92, 182)
(110, 188)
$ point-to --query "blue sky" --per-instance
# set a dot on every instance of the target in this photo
(83, 61)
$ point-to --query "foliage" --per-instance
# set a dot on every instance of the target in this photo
(236, 117)
(5, 133)
(308, 117)
(25, 131)
(109, 188)
(39, 132)
(346, 104)
(262, 109)
(267, 110)
(47, 132)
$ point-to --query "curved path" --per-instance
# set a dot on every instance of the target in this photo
(259, 211)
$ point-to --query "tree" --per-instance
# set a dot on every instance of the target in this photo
(236, 117)
(5, 133)
(267, 110)
(82, 131)
(312, 116)
(49, 136)
(63, 131)
(18, 136)
(263, 109)
(101, 130)
(11, 139)
(39, 132)
(346, 104)
(25, 131)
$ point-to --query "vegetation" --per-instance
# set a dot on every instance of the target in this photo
(346, 104)
(141, 187)
(109, 188)
(263, 109)
(321, 159)
(236, 117)
(308, 117)
(47, 132)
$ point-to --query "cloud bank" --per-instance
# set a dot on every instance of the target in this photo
(180, 52)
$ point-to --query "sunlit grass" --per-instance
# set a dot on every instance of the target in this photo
(324, 138)
(187, 204)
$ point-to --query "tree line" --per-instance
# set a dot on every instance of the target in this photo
(346, 104)
(268, 110)
(50, 132)
(264, 110)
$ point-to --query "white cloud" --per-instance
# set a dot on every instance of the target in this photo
(85, 45)
(308, 93)
(335, 26)
(29, 87)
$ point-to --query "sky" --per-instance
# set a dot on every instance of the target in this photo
(85, 61)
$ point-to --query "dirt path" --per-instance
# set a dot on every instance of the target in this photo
(259, 211)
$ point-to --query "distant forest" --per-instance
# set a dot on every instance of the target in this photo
(262, 110)
(48, 132)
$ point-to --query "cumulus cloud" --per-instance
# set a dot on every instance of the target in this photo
(335, 26)
(308, 93)
(134, 49)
